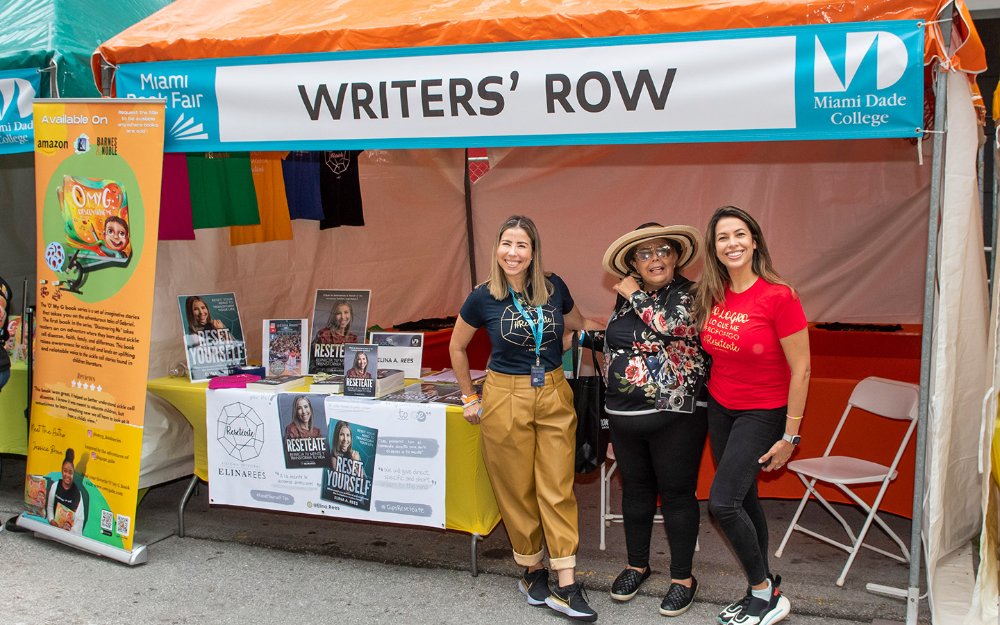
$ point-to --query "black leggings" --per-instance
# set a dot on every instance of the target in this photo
(658, 455)
(739, 438)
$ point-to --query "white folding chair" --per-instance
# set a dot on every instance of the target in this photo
(885, 398)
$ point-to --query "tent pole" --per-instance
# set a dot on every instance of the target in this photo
(468, 224)
(926, 346)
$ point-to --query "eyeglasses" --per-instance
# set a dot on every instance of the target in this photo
(647, 252)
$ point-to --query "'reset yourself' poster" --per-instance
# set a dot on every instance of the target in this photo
(97, 171)
(327, 455)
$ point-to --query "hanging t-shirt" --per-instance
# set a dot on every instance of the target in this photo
(222, 191)
(749, 368)
(511, 339)
(175, 200)
(300, 171)
(269, 184)
(340, 189)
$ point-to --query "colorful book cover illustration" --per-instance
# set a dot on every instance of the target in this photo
(361, 362)
(302, 418)
(348, 478)
(286, 346)
(213, 335)
(96, 219)
(339, 317)
(63, 516)
(35, 493)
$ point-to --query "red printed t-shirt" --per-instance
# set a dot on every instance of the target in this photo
(749, 369)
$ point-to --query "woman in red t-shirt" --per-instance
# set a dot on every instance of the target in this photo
(754, 328)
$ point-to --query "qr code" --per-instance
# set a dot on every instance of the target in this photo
(123, 525)
(106, 520)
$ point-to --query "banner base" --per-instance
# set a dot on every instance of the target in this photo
(138, 555)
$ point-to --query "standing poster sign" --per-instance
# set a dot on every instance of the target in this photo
(97, 175)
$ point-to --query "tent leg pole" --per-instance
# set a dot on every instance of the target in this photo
(468, 224)
(926, 346)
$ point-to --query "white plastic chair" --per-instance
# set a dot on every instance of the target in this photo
(885, 398)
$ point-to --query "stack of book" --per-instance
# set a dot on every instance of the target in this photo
(389, 381)
(276, 383)
(327, 383)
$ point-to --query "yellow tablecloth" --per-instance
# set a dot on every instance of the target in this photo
(13, 401)
(469, 502)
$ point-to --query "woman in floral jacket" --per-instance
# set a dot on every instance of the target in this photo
(656, 372)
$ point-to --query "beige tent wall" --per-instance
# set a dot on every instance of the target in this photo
(846, 221)
(412, 253)
(952, 513)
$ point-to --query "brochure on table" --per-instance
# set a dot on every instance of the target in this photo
(328, 455)
(285, 349)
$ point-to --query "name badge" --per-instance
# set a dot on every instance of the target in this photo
(538, 376)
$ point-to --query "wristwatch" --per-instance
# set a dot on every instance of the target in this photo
(793, 439)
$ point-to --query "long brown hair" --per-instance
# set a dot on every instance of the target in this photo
(498, 283)
(715, 277)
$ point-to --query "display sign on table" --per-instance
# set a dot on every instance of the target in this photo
(98, 165)
(327, 455)
(213, 335)
(339, 317)
(400, 350)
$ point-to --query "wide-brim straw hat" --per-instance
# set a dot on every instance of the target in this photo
(686, 238)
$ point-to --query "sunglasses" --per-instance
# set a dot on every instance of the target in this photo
(646, 253)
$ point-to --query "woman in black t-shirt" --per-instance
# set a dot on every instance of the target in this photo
(526, 416)
(64, 507)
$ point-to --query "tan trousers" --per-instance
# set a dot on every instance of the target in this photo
(528, 441)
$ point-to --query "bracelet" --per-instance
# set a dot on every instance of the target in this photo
(470, 398)
(471, 403)
(798, 418)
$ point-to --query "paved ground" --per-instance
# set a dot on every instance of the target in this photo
(243, 566)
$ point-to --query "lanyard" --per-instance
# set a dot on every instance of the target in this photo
(536, 327)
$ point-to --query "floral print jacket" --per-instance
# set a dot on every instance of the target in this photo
(651, 345)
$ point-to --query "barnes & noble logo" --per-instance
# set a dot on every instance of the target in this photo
(878, 58)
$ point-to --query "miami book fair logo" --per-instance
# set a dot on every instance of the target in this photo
(188, 95)
(854, 74)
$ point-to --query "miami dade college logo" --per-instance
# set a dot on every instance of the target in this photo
(240, 431)
(837, 64)
(16, 91)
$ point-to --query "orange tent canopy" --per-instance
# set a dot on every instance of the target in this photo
(193, 29)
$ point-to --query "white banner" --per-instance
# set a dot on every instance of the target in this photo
(325, 455)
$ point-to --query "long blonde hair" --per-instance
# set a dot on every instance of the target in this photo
(715, 277)
(499, 285)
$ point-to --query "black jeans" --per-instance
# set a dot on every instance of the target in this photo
(658, 455)
(739, 438)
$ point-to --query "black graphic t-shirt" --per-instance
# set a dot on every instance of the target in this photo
(340, 189)
(513, 344)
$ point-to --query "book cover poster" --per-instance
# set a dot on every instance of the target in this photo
(361, 362)
(400, 350)
(349, 477)
(339, 317)
(98, 168)
(213, 334)
(303, 430)
(285, 348)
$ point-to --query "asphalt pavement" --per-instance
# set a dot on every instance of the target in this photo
(246, 567)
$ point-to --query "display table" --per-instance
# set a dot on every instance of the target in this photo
(469, 502)
(13, 402)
